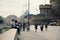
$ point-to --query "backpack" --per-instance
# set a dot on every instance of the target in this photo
(14, 25)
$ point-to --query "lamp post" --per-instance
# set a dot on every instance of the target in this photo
(28, 10)
(28, 15)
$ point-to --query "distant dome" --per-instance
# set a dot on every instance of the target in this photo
(10, 18)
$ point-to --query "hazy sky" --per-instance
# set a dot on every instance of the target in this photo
(18, 7)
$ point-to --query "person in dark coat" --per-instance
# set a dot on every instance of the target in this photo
(46, 26)
(14, 24)
(36, 27)
(24, 26)
(19, 27)
(41, 27)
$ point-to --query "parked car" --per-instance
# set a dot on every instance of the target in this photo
(53, 23)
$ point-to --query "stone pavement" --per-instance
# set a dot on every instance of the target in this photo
(53, 33)
(8, 35)
(31, 35)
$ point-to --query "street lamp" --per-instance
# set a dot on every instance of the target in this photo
(28, 10)
(28, 15)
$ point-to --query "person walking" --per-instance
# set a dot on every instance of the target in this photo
(28, 26)
(36, 27)
(46, 27)
(14, 24)
(19, 27)
(41, 27)
(24, 26)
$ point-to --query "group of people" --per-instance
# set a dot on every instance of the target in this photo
(19, 26)
(26, 26)
(41, 27)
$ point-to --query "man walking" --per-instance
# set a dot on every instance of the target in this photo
(46, 27)
(36, 27)
(41, 27)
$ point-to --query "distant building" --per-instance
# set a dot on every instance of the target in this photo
(9, 19)
(56, 10)
(46, 14)
(46, 10)
(55, 4)
(20, 19)
(36, 19)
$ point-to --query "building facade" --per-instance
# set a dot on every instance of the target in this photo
(55, 5)
(45, 10)
(55, 8)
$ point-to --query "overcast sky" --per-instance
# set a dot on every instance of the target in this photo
(17, 7)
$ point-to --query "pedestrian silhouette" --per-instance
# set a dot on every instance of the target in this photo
(41, 27)
(24, 26)
(27, 25)
(14, 24)
(19, 27)
(36, 27)
(46, 27)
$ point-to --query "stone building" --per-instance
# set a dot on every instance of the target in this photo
(36, 19)
(55, 5)
(56, 8)
(45, 12)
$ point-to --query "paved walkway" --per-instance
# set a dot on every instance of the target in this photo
(31, 35)
(8, 35)
(53, 33)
